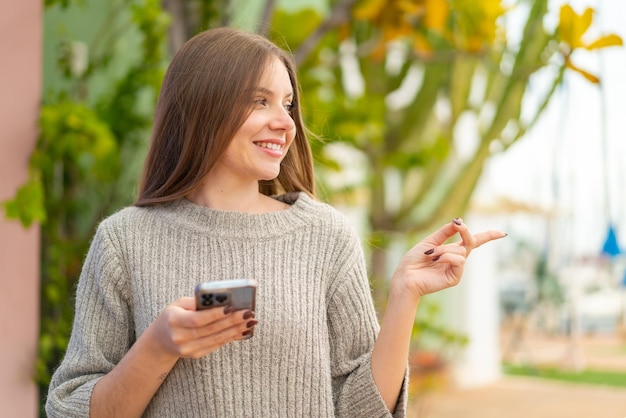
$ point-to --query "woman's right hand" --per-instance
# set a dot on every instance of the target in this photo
(179, 331)
(182, 331)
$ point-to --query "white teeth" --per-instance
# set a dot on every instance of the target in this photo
(269, 145)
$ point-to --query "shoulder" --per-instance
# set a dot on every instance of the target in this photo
(323, 214)
(327, 224)
(126, 224)
(126, 217)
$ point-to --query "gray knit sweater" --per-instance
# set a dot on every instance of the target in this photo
(310, 354)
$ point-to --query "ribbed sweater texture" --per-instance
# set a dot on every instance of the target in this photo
(311, 350)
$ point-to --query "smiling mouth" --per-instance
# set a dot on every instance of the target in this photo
(269, 145)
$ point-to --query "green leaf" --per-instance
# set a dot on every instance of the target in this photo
(289, 30)
(28, 205)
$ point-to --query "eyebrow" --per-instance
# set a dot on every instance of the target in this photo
(268, 91)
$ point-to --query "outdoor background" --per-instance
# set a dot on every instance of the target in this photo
(507, 113)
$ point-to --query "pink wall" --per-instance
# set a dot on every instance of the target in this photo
(20, 91)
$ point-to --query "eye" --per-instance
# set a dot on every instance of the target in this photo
(289, 107)
(260, 101)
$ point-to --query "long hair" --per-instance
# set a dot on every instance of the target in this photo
(206, 95)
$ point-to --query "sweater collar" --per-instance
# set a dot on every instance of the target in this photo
(184, 214)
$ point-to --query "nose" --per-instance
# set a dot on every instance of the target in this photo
(282, 120)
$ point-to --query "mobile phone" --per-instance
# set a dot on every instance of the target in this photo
(238, 293)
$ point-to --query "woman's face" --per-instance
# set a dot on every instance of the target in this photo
(261, 143)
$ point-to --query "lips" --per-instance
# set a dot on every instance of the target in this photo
(270, 145)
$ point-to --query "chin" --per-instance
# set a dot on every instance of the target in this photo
(268, 176)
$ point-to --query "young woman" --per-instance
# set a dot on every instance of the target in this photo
(228, 192)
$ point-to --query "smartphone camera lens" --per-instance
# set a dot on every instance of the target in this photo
(209, 299)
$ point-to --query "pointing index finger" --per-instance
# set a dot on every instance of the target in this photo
(486, 236)
(468, 239)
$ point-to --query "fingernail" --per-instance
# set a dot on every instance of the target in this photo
(248, 315)
(429, 252)
(436, 258)
(457, 221)
(252, 323)
(228, 309)
(247, 334)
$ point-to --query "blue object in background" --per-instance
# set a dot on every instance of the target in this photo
(611, 247)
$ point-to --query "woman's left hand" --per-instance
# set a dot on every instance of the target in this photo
(431, 265)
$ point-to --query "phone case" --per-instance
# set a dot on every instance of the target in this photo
(238, 293)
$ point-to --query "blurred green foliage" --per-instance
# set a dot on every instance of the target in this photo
(431, 334)
(589, 376)
(81, 168)
(412, 96)
(416, 96)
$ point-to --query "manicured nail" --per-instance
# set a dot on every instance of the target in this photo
(436, 258)
(247, 334)
(248, 315)
(429, 252)
(457, 221)
(252, 323)
(228, 309)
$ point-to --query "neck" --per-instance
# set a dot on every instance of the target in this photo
(234, 197)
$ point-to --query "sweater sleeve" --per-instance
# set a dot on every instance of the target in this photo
(353, 326)
(102, 331)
